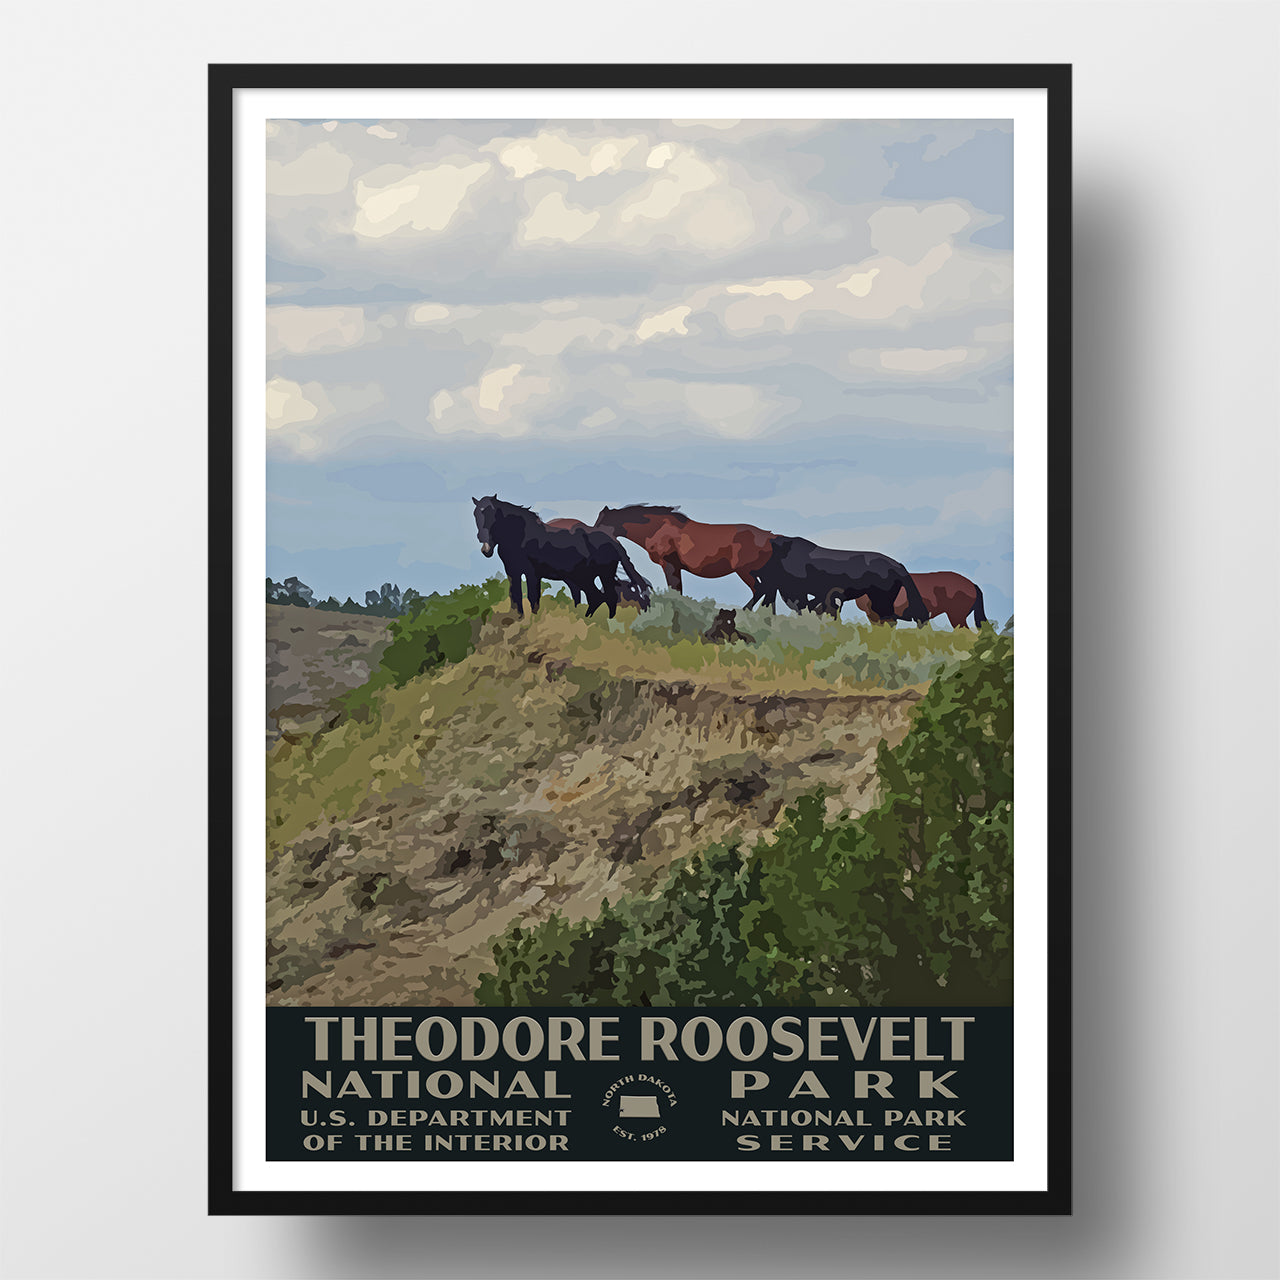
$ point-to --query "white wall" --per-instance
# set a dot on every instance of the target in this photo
(1176, 638)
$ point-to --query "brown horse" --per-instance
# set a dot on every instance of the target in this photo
(949, 594)
(677, 543)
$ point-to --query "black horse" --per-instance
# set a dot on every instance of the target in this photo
(529, 550)
(809, 576)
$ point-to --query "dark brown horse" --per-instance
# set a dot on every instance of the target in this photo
(944, 594)
(677, 543)
(627, 593)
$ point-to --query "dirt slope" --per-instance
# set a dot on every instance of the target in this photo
(536, 775)
(313, 657)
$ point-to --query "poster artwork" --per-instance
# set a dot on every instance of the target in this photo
(640, 651)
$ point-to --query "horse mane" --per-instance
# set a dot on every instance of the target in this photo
(515, 509)
(638, 511)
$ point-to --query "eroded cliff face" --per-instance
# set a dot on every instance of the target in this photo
(525, 780)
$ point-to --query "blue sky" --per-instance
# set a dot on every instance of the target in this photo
(805, 326)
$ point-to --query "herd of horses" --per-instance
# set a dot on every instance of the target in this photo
(587, 559)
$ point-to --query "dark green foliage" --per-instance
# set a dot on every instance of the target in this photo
(389, 602)
(290, 591)
(436, 629)
(684, 947)
(910, 904)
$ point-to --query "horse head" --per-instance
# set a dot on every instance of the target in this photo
(486, 513)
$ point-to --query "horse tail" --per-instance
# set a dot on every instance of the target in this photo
(642, 585)
(916, 609)
(834, 601)
(979, 617)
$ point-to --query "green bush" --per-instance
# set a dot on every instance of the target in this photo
(671, 617)
(854, 661)
(437, 629)
(683, 947)
(910, 904)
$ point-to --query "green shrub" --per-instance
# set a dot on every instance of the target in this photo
(438, 629)
(683, 947)
(671, 617)
(910, 904)
(854, 661)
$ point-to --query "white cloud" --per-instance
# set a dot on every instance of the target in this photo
(421, 200)
(428, 313)
(789, 289)
(322, 170)
(377, 131)
(500, 403)
(907, 232)
(671, 321)
(289, 403)
(879, 290)
(308, 418)
(299, 330)
(552, 219)
(683, 176)
(860, 282)
(490, 388)
(556, 151)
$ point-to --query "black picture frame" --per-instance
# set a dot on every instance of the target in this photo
(224, 80)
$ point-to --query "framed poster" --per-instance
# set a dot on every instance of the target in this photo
(644, 496)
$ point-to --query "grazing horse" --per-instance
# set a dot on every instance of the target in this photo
(627, 593)
(677, 543)
(530, 550)
(800, 570)
(946, 593)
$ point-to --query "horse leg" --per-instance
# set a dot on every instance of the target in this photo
(671, 571)
(594, 596)
(610, 586)
(754, 583)
(881, 610)
(517, 599)
(575, 591)
(535, 592)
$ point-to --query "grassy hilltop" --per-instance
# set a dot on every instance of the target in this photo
(567, 810)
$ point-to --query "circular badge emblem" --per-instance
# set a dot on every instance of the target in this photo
(639, 1107)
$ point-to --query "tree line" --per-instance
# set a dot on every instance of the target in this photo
(387, 602)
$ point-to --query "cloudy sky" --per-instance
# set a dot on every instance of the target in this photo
(805, 326)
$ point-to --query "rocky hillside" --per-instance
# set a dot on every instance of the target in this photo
(313, 658)
(561, 763)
